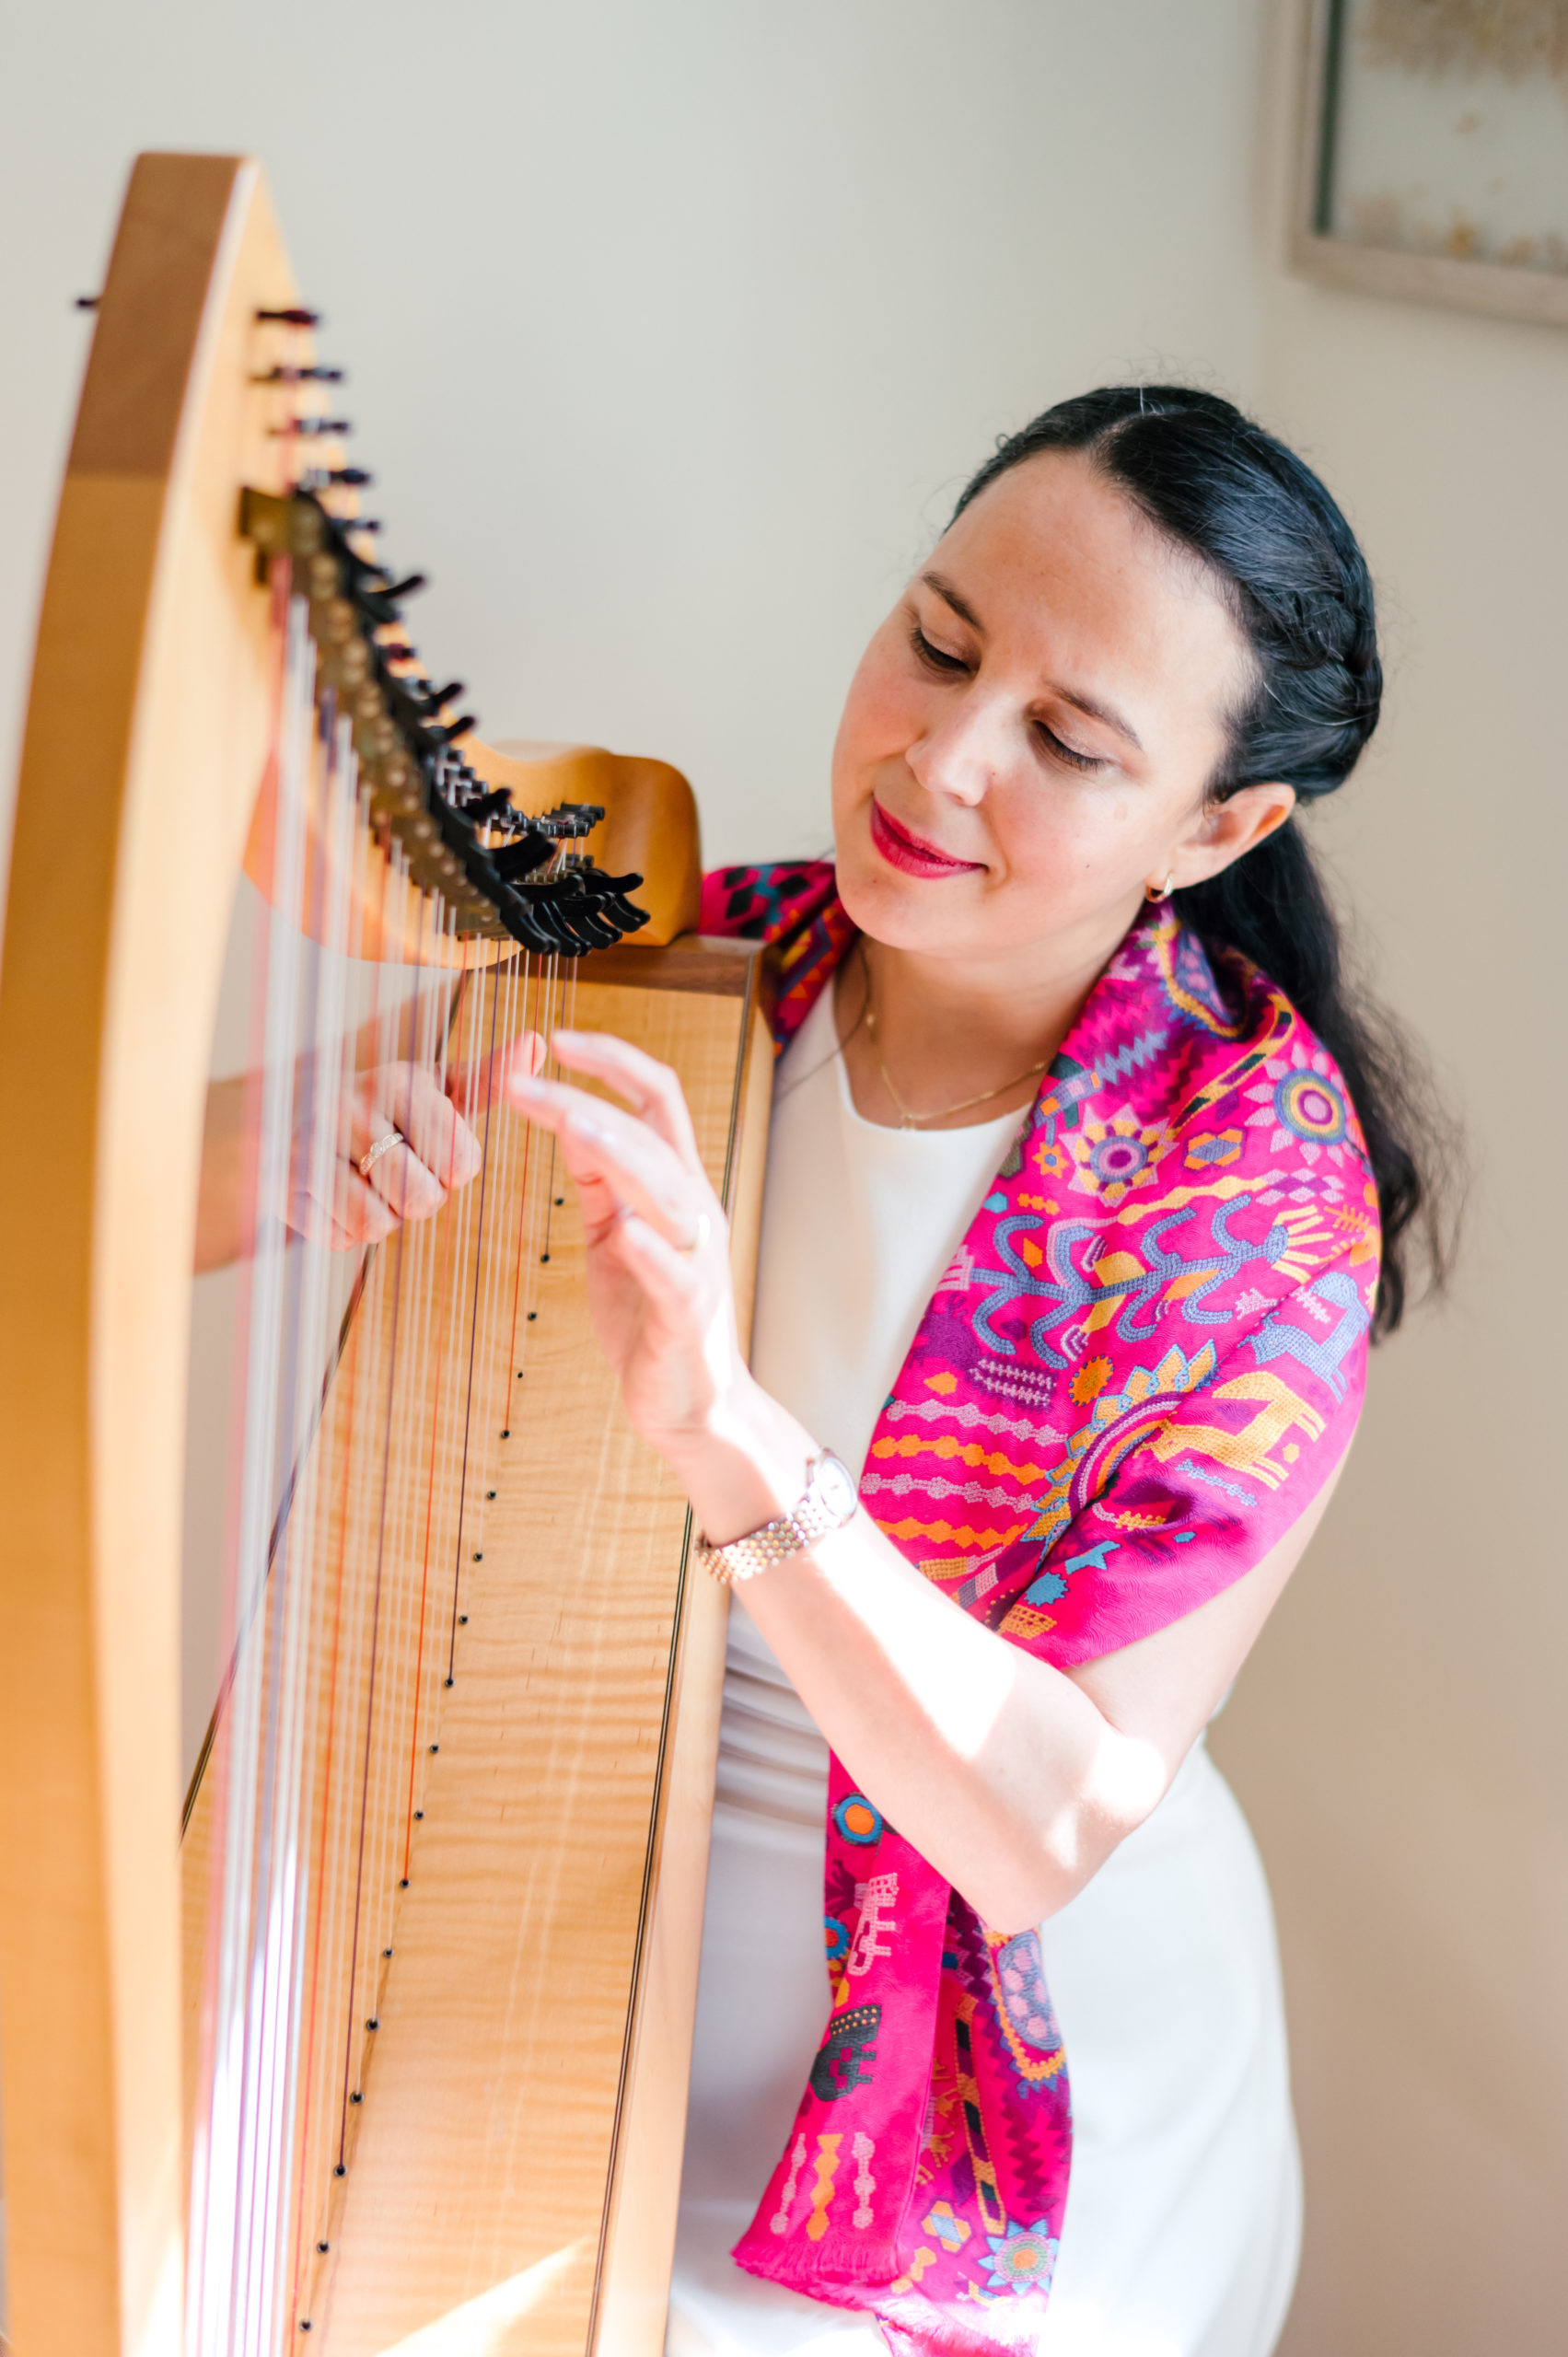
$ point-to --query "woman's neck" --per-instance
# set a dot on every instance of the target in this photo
(951, 1041)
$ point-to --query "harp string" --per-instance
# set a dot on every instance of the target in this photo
(487, 976)
(417, 1279)
(319, 1077)
(382, 1473)
(399, 1639)
(263, 1597)
(342, 1365)
(550, 1027)
(331, 1731)
(536, 1195)
(439, 1292)
(522, 1217)
(377, 1386)
(501, 1144)
(323, 1067)
(234, 2212)
(366, 1556)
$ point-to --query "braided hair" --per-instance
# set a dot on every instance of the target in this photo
(1290, 569)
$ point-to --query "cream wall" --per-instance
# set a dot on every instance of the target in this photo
(673, 324)
(1400, 1739)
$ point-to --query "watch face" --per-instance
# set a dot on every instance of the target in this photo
(835, 1486)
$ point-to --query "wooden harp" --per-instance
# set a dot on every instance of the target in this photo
(391, 2049)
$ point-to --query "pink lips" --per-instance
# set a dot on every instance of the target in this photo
(908, 854)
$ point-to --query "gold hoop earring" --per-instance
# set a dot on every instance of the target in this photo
(1160, 891)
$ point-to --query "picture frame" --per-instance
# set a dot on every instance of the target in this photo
(1428, 164)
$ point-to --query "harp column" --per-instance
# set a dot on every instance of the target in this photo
(152, 659)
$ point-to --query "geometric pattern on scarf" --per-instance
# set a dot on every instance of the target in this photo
(1143, 1360)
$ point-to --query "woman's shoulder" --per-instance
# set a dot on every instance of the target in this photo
(1222, 1044)
(1192, 1081)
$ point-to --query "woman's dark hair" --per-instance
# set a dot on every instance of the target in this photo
(1288, 566)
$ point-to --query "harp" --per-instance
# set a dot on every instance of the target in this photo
(388, 2042)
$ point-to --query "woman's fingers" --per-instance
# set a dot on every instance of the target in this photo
(651, 1089)
(434, 1127)
(408, 1187)
(471, 1085)
(356, 1214)
(432, 1124)
(399, 1126)
(422, 1139)
(670, 1276)
(639, 1170)
(314, 1220)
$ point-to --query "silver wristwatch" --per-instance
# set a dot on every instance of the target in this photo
(826, 1504)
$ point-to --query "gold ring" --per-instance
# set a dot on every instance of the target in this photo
(381, 1146)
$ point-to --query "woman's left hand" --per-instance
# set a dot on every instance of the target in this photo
(658, 1239)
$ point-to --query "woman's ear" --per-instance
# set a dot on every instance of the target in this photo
(1224, 830)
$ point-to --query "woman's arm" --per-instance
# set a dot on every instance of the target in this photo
(1015, 1778)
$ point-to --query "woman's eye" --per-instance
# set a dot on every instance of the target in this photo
(1061, 752)
(933, 657)
(936, 658)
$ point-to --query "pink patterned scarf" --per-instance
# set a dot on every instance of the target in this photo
(1142, 1362)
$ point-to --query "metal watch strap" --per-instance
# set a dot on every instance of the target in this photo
(825, 1505)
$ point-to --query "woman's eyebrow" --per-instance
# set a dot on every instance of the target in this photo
(951, 596)
(1091, 705)
(1103, 712)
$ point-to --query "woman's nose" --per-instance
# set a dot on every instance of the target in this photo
(961, 755)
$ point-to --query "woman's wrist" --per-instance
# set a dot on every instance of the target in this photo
(746, 1465)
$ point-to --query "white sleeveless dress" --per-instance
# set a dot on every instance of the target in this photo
(1183, 2214)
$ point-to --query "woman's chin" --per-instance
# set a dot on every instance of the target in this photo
(906, 911)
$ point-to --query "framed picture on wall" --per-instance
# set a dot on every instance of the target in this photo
(1434, 152)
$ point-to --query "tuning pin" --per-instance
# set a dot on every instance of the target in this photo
(317, 426)
(395, 589)
(88, 302)
(352, 478)
(295, 317)
(282, 375)
(490, 805)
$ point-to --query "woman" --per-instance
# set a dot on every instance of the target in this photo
(1071, 1251)
(1080, 1160)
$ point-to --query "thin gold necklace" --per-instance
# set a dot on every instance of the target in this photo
(908, 1120)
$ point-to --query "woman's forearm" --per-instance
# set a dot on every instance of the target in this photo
(222, 1195)
(997, 1767)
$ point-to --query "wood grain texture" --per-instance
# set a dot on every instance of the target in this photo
(649, 827)
(152, 650)
(524, 2098)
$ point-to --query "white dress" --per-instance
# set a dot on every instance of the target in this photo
(1183, 2211)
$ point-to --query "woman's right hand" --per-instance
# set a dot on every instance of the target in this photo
(437, 1150)
(437, 1122)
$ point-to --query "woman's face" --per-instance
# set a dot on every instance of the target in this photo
(1027, 741)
